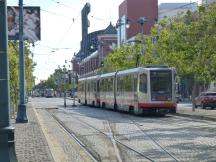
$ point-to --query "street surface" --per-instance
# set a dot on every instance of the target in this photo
(84, 133)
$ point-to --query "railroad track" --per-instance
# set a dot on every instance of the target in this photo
(75, 138)
(154, 141)
(119, 143)
(110, 135)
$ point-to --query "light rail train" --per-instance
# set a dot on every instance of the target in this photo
(49, 93)
(141, 90)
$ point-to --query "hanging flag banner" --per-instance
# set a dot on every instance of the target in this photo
(31, 23)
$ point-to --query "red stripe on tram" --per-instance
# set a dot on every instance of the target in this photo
(170, 104)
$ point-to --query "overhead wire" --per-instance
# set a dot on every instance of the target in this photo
(74, 19)
(63, 48)
(68, 30)
(92, 16)
(59, 3)
(71, 18)
(50, 12)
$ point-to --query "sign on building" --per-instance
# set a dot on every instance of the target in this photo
(31, 23)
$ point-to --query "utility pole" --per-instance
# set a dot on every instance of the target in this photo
(64, 73)
(21, 114)
(118, 25)
(7, 147)
(142, 20)
(74, 77)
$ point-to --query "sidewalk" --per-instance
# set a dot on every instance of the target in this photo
(198, 113)
(30, 143)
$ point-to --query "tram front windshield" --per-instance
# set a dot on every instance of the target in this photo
(161, 85)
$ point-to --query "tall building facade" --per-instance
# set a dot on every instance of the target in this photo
(94, 46)
(129, 13)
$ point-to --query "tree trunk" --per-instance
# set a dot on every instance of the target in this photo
(194, 94)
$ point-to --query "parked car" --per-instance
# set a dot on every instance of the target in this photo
(206, 99)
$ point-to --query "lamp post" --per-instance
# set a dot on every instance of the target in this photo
(141, 21)
(64, 73)
(21, 114)
(7, 148)
(119, 24)
(74, 75)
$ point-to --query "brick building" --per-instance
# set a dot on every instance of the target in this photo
(130, 11)
(94, 46)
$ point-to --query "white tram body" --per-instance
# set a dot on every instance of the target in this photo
(81, 93)
(107, 84)
(92, 94)
(139, 90)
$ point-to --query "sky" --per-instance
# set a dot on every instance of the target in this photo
(61, 29)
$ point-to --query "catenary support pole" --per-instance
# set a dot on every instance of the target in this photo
(7, 147)
(21, 114)
(74, 77)
(64, 73)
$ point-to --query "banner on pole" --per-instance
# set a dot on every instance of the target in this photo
(31, 23)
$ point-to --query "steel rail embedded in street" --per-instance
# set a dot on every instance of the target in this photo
(73, 136)
(116, 140)
(154, 141)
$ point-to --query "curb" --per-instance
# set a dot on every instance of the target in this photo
(196, 117)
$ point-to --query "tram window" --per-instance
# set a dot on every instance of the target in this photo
(106, 84)
(143, 83)
(101, 85)
(98, 85)
(127, 83)
(95, 83)
(110, 88)
(119, 84)
(88, 87)
(92, 86)
(135, 82)
(161, 82)
(81, 87)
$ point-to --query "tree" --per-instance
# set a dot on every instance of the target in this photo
(14, 71)
(189, 43)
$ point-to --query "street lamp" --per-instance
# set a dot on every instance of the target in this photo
(21, 113)
(119, 25)
(74, 76)
(7, 147)
(64, 73)
(141, 21)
